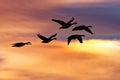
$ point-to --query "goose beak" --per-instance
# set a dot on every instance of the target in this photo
(30, 43)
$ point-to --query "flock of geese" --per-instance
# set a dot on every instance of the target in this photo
(64, 25)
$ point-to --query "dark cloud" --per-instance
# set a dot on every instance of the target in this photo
(105, 18)
(105, 36)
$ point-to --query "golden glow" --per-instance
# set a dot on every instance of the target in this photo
(60, 59)
(96, 46)
(22, 20)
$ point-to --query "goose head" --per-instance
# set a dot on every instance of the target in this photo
(28, 43)
(83, 35)
(54, 39)
(89, 26)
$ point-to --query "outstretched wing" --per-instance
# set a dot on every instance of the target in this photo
(75, 28)
(71, 20)
(69, 39)
(81, 27)
(80, 39)
(53, 35)
(13, 44)
(88, 30)
(59, 21)
(41, 37)
(16, 43)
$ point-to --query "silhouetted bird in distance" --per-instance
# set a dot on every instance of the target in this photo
(20, 44)
(45, 39)
(65, 25)
(83, 27)
(76, 36)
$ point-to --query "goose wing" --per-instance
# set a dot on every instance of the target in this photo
(53, 35)
(88, 30)
(69, 39)
(76, 28)
(59, 21)
(80, 39)
(81, 27)
(71, 20)
(41, 37)
(17, 43)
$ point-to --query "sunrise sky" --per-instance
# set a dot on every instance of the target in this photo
(96, 59)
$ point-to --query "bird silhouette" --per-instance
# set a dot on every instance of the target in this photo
(45, 39)
(76, 36)
(83, 27)
(20, 44)
(65, 25)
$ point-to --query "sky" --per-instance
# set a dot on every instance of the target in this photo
(97, 58)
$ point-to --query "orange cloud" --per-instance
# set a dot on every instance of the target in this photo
(76, 61)
(37, 4)
(94, 59)
(71, 61)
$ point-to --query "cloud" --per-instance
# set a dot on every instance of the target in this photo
(36, 4)
(105, 37)
(28, 18)
(91, 60)
(43, 76)
(103, 22)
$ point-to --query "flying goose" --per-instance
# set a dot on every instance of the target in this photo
(20, 44)
(83, 27)
(79, 37)
(45, 39)
(65, 25)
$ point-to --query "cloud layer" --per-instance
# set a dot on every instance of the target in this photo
(73, 62)
(30, 17)
(95, 59)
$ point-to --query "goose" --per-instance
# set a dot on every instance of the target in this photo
(79, 37)
(45, 39)
(20, 44)
(65, 25)
(83, 27)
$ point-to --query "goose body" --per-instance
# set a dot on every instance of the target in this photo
(65, 25)
(45, 39)
(83, 27)
(79, 37)
(20, 44)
